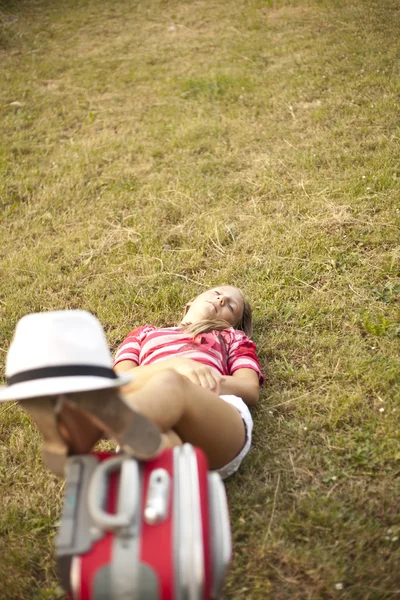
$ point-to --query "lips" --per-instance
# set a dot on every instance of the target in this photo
(213, 305)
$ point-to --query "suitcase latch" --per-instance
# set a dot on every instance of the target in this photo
(157, 501)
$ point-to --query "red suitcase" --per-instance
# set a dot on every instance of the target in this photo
(156, 530)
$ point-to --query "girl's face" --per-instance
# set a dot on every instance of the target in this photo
(222, 302)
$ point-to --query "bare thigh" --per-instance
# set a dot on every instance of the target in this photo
(198, 415)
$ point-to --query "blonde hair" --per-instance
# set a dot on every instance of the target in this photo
(245, 324)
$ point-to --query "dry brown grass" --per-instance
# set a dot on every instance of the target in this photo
(152, 150)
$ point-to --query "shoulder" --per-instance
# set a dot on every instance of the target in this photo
(240, 335)
(235, 336)
(241, 344)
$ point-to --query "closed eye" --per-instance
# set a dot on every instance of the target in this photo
(229, 305)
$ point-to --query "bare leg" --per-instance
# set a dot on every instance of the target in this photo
(169, 402)
(197, 415)
(171, 439)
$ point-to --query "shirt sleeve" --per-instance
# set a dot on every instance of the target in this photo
(242, 354)
(130, 347)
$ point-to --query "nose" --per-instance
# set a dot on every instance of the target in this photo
(221, 299)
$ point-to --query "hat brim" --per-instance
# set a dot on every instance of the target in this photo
(60, 385)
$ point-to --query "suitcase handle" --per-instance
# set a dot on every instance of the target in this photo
(128, 495)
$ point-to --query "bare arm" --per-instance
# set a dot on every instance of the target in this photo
(144, 372)
(243, 383)
(194, 371)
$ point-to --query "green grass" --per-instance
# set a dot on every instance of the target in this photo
(152, 149)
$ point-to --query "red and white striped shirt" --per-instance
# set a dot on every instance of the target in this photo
(226, 351)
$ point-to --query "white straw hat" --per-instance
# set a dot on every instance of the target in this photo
(58, 352)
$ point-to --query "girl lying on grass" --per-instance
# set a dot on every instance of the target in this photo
(193, 382)
(197, 380)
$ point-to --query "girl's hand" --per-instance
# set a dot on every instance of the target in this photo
(199, 374)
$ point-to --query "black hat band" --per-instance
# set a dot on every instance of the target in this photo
(61, 371)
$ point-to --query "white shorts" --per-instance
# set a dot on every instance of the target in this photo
(234, 464)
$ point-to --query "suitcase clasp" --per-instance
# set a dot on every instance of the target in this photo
(157, 501)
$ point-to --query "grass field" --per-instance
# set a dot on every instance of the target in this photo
(152, 149)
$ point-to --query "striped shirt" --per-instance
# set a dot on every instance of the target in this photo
(226, 351)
